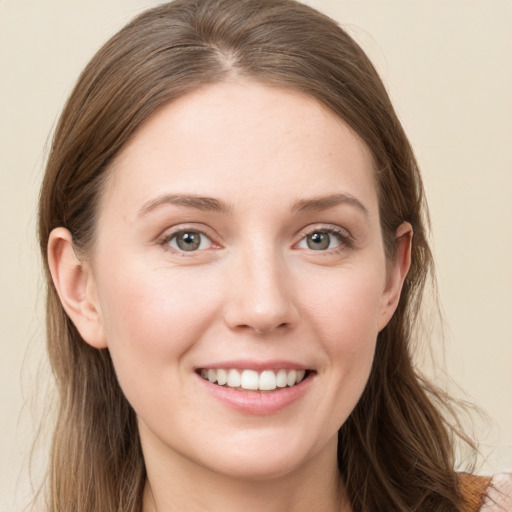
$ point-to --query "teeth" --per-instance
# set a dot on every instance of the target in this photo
(222, 377)
(267, 380)
(249, 380)
(291, 378)
(281, 379)
(234, 379)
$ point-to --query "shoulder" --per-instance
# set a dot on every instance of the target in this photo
(499, 494)
(486, 494)
(473, 491)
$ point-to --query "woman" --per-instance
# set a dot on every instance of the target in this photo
(234, 232)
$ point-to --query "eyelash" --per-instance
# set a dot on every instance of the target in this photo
(168, 237)
(344, 238)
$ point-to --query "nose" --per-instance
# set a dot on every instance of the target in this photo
(261, 297)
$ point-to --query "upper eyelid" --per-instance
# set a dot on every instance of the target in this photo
(180, 228)
(330, 228)
(171, 232)
(345, 238)
(165, 238)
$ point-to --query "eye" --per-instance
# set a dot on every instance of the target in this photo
(189, 241)
(321, 240)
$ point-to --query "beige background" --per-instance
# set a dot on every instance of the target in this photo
(448, 67)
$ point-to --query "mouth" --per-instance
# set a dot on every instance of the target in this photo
(254, 380)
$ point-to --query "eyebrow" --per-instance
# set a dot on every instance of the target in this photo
(216, 205)
(325, 202)
(201, 203)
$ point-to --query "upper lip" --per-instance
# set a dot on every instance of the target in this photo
(258, 365)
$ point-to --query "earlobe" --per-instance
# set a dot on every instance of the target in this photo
(75, 286)
(397, 273)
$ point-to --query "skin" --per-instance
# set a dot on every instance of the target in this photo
(254, 290)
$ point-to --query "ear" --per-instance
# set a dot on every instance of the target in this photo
(76, 288)
(397, 271)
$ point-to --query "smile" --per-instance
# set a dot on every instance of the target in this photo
(252, 380)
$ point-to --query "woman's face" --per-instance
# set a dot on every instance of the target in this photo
(238, 240)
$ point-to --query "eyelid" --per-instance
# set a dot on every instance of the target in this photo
(170, 233)
(345, 237)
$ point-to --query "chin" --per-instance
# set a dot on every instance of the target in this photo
(270, 459)
(258, 469)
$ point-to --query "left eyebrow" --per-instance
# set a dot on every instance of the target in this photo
(325, 202)
(191, 201)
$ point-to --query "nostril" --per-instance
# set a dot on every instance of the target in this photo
(265, 330)
(261, 304)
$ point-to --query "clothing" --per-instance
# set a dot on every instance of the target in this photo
(485, 494)
(499, 494)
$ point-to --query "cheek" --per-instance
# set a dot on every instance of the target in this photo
(346, 306)
(345, 317)
(152, 318)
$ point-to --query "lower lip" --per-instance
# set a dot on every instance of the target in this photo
(256, 402)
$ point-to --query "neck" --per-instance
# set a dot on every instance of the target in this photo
(314, 486)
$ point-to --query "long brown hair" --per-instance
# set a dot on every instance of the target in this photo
(395, 450)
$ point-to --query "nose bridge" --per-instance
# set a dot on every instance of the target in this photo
(261, 298)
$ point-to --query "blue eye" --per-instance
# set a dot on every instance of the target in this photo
(320, 240)
(189, 241)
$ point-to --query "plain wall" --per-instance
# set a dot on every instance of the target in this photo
(448, 67)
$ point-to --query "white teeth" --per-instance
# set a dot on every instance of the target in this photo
(291, 378)
(222, 377)
(281, 379)
(267, 380)
(249, 379)
(233, 379)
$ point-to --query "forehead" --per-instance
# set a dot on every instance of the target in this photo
(243, 140)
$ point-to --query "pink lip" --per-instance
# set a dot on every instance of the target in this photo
(244, 364)
(256, 402)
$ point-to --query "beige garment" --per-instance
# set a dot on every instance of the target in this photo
(499, 494)
(473, 490)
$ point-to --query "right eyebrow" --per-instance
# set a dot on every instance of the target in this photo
(329, 201)
(192, 201)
